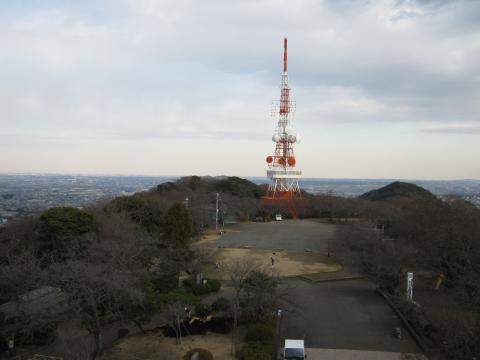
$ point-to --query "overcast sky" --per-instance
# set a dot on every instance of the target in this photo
(384, 89)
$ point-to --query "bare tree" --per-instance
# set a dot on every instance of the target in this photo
(97, 293)
(107, 281)
(262, 296)
(174, 314)
(239, 270)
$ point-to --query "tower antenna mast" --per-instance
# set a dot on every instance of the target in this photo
(283, 186)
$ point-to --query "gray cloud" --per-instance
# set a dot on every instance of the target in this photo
(454, 128)
(134, 70)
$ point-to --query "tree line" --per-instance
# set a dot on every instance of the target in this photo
(404, 228)
(113, 261)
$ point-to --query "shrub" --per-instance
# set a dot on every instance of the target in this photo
(165, 282)
(203, 354)
(221, 304)
(257, 351)
(260, 332)
(214, 285)
(202, 289)
(178, 295)
(188, 282)
(202, 309)
(198, 289)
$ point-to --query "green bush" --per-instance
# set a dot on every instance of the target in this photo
(214, 285)
(257, 351)
(221, 304)
(260, 338)
(203, 354)
(188, 282)
(178, 295)
(202, 309)
(165, 282)
(260, 333)
(202, 289)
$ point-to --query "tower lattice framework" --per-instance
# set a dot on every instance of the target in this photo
(283, 187)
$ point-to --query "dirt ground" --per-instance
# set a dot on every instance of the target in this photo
(154, 346)
(286, 263)
(208, 237)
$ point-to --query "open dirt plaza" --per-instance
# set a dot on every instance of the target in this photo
(286, 263)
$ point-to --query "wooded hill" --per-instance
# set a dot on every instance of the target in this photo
(120, 259)
(113, 260)
(399, 189)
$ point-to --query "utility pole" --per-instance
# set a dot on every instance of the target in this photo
(277, 335)
(216, 212)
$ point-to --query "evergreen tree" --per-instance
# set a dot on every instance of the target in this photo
(178, 224)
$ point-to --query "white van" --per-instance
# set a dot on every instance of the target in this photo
(278, 217)
(294, 350)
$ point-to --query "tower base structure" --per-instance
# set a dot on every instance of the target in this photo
(284, 191)
(294, 206)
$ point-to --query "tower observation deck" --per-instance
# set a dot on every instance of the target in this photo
(283, 186)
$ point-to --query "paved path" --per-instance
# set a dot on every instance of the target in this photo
(333, 354)
(343, 315)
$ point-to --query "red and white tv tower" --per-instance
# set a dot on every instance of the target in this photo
(283, 187)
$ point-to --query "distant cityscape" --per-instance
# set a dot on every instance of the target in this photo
(22, 195)
(25, 194)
